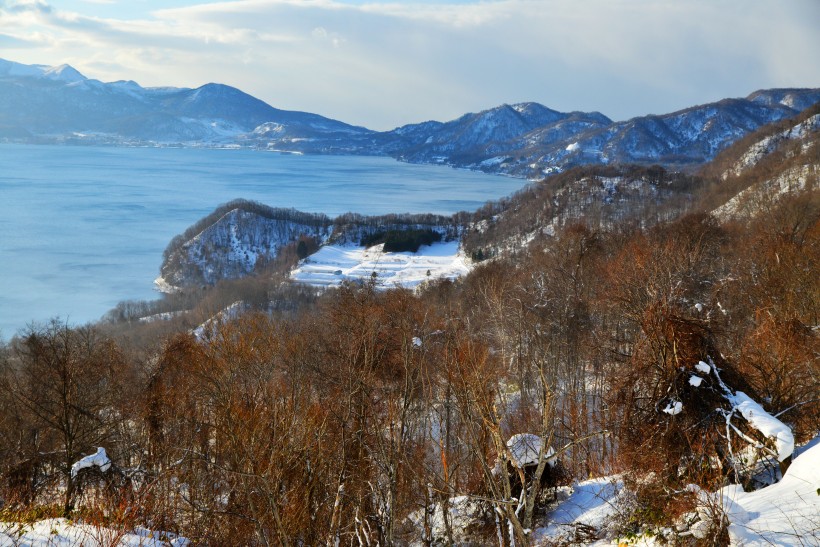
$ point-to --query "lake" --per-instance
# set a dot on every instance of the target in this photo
(83, 228)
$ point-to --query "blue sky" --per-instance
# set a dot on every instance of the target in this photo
(382, 64)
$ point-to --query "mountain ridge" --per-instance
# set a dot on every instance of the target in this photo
(528, 140)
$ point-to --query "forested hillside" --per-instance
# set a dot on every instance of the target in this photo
(620, 323)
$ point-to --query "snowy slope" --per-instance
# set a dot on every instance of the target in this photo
(768, 144)
(786, 513)
(795, 172)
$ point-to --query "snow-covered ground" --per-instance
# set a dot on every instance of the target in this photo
(592, 503)
(333, 264)
(768, 144)
(53, 532)
(786, 513)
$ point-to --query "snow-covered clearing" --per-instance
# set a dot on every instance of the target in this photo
(333, 264)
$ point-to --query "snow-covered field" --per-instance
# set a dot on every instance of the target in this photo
(333, 264)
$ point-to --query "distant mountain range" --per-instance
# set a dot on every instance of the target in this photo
(42, 104)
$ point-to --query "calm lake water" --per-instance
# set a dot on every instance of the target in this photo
(82, 228)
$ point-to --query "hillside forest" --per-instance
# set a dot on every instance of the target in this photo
(614, 318)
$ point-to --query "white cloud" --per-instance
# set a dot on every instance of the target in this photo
(383, 64)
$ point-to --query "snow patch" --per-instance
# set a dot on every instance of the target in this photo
(593, 503)
(228, 314)
(674, 408)
(786, 513)
(51, 532)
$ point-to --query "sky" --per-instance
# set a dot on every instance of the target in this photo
(383, 64)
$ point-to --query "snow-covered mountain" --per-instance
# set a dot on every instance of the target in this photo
(46, 104)
(691, 136)
(58, 104)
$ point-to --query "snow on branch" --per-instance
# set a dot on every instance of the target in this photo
(764, 422)
(756, 417)
(98, 459)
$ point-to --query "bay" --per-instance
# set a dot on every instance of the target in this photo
(83, 228)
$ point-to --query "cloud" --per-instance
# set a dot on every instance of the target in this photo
(382, 64)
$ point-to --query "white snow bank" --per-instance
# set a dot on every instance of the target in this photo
(573, 147)
(703, 367)
(50, 532)
(99, 459)
(695, 380)
(525, 448)
(786, 513)
(333, 264)
(765, 423)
